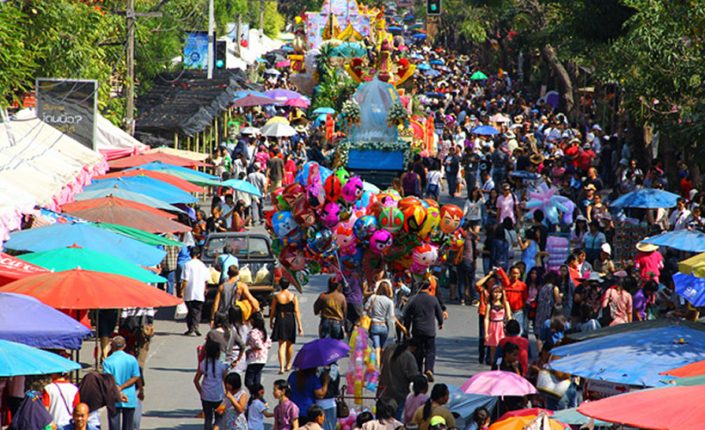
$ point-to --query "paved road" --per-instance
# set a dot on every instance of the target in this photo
(172, 402)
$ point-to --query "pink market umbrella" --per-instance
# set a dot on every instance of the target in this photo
(282, 64)
(498, 383)
(299, 103)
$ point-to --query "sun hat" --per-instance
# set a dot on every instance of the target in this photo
(646, 247)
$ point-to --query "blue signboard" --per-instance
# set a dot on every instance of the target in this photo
(196, 50)
(375, 160)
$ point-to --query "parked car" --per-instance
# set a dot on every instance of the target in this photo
(256, 261)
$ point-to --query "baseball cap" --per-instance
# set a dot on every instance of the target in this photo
(436, 421)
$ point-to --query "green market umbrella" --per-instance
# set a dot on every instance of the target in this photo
(63, 259)
(478, 76)
(690, 381)
(140, 235)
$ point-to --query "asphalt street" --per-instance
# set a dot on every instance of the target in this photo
(171, 401)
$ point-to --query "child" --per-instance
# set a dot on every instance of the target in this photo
(235, 404)
(286, 413)
(208, 382)
(498, 312)
(257, 409)
(416, 399)
(258, 345)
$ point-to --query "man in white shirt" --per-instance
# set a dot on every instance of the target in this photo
(194, 279)
(679, 217)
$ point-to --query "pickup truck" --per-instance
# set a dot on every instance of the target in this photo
(254, 252)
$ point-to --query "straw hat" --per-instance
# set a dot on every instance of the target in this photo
(646, 247)
(536, 158)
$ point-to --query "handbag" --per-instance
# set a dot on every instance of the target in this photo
(548, 383)
(606, 318)
(181, 311)
(341, 408)
(365, 320)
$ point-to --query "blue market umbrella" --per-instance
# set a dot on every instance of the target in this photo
(127, 195)
(86, 236)
(423, 66)
(17, 360)
(158, 165)
(435, 95)
(683, 240)
(432, 73)
(394, 29)
(419, 36)
(243, 186)
(690, 288)
(145, 185)
(437, 62)
(573, 417)
(485, 130)
(324, 111)
(26, 320)
(635, 358)
(646, 198)
(409, 17)
(241, 94)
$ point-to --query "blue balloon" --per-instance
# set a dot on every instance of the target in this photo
(364, 227)
(283, 224)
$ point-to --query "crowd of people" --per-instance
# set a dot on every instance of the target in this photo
(525, 306)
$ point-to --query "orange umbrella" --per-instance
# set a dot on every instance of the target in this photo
(138, 160)
(692, 369)
(114, 201)
(522, 422)
(79, 289)
(130, 217)
(171, 179)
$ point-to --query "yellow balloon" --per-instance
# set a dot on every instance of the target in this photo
(433, 220)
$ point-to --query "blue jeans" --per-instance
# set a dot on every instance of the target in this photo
(330, 328)
(126, 415)
(519, 317)
(379, 334)
(170, 280)
(466, 281)
(331, 418)
(452, 183)
(500, 253)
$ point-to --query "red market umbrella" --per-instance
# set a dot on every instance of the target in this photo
(12, 269)
(138, 160)
(170, 179)
(692, 369)
(252, 100)
(79, 289)
(135, 218)
(672, 408)
(82, 205)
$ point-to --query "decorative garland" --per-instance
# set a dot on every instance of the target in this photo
(351, 111)
(397, 115)
(341, 156)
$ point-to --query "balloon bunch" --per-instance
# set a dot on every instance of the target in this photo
(362, 372)
(551, 204)
(327, 222)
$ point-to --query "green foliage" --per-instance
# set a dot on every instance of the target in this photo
(273, 21)
(16, 66)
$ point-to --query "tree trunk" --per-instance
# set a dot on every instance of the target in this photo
(549, 53)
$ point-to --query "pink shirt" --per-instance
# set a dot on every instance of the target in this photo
(257, 347)
(649, 262)
(505, 207)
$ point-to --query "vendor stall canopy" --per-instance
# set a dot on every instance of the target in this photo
(187, 102)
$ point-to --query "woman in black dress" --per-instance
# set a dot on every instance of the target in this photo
(284, 317)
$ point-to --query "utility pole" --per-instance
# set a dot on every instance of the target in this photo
(131, 16)
(130, 63)
(211, 38)
(261, 17)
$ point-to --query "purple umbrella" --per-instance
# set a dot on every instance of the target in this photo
(283, 95)
(320, 352)
(26, 320)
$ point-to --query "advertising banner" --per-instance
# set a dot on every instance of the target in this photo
(196, 50)
(69, 105)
